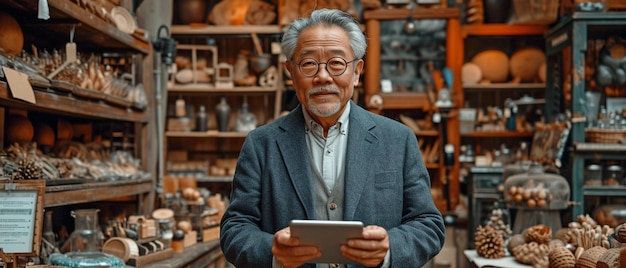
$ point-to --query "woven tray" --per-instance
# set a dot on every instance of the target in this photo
(598, 135)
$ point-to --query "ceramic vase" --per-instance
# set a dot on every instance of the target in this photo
(222, 114)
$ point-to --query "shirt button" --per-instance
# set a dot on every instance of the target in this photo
(333, 206)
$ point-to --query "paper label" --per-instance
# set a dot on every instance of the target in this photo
(19, 85)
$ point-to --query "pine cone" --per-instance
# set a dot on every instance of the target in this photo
(489, 243)
(497, 223)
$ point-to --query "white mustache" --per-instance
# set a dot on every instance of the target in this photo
(323, 89)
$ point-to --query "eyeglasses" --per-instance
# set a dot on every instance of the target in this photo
(335, 66)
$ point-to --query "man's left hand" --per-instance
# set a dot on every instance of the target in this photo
(369, 250)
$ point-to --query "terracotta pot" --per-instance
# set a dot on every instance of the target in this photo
(191, 11)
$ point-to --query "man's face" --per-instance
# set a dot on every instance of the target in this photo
(324, 94)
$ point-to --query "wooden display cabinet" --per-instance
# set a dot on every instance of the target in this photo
(572, 47)
(126, 127)
(220, 148)
(411, 98)
(507, 38)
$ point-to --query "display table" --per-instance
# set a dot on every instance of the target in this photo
(202, 254)
(508, 261)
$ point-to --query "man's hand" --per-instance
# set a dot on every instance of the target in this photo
(289, 253)
(369, 250)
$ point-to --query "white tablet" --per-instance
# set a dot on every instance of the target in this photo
(328, 236)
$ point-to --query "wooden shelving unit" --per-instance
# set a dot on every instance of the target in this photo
(91, 34)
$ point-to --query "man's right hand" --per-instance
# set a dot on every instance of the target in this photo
(289, 253)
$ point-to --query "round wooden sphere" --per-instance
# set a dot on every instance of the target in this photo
(65, 131)
(11, 35)
(19, 129)
(525, 64)
(494, 65)
(44, 134)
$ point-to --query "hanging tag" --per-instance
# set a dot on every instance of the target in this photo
(43, 11)
(70, 52)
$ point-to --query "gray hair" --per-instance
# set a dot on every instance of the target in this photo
(327, 17)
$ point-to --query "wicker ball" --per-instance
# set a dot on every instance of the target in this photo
(589, 258)
(610, 259)
(561, 257)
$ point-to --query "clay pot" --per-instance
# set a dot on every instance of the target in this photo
(191, 11)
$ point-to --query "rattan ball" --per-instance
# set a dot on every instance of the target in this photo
(610, 259)
(589, 258)
(561, 257)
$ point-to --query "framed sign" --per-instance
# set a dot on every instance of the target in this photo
(21, 207)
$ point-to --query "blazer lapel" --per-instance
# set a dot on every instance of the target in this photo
(292, 145)
(358, 171)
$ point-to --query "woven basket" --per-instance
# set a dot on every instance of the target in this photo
(612, 136)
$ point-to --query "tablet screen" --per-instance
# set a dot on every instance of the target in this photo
(328, 236)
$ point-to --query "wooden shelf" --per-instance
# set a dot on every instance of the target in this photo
(214, 179)
(204, 29)
(66, 104)
(498, 134)
(96, 191)
(505, 86)
(502, 30)
(198, 255)
(432, 165)
(618, 190)
(90, 29)
(426, 133)
(205, 134)
(418, 13)
(595, 148)
(209, 88)
(405, 100)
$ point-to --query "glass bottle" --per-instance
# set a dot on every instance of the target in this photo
(246, 120)
(201, 119)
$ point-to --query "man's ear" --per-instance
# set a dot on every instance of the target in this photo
(357, 71)
(289, 67)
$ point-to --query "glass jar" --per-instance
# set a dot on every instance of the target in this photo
(613, 175)
(536, 190)
(86, 244)
(593, 175)
(87, 236)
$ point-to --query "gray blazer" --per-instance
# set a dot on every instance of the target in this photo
(386, 184)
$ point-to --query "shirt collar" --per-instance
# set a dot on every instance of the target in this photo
(342, 123)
